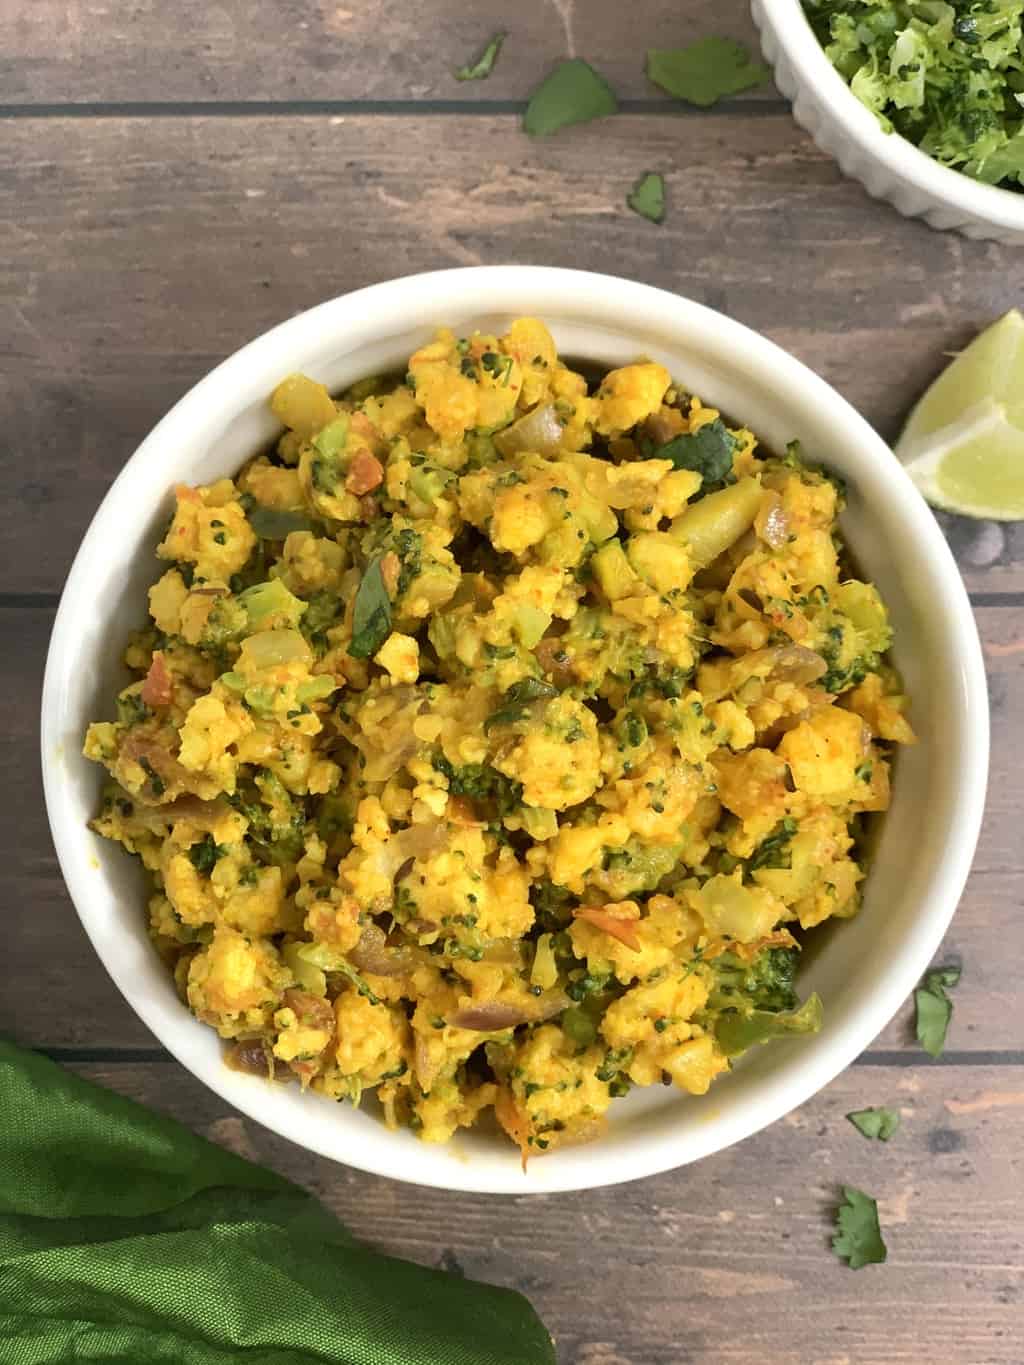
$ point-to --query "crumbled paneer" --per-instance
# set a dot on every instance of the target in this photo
(495, 739)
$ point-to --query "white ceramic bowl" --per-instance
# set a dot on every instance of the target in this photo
(864, 969)
(886, 164)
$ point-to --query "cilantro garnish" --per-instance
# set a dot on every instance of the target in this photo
(647, 197)
(708, 451)
(945, 77)
(484, 64)
(878, 1123)
(934, 1009)
(573, 93)
(371, 616)
(518, 697)
(203, 855)
(705, 72)
(859, 1239)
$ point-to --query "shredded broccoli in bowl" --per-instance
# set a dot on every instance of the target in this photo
(948, 75)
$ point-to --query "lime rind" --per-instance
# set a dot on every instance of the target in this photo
(963, 445)
(991, 367)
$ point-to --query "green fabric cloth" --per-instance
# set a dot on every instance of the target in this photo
(124, 1237)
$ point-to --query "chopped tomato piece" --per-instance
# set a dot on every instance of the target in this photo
(622, 929)
(158, 688)
(364, 473)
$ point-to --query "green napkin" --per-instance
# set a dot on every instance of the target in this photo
(124, 1237)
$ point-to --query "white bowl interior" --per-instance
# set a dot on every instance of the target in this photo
(863, 969)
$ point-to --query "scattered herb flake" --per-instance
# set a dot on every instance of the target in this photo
(932, 1023)
(933, 1007)
(203, 855)
(371, 616)
(859, 1239)
(271, 524)
(647, 197)
(484, 64)
(518, 697)
(706, 71)
(944, 978)
(878, 1123)
(573, 93)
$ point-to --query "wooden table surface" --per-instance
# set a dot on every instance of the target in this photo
(175, 180)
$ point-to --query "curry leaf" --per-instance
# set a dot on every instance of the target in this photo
(648, 197)
(573, 93)
(371, 616)
(708, 451)
(484, 64)
(859, 1239)
(704, 72)
(878, 1123)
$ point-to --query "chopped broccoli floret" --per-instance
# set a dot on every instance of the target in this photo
(945, 76)
(764, 984)
(481, 782)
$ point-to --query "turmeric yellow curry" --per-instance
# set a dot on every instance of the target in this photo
(495, 738)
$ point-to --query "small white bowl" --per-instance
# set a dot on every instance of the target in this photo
(887, 165)
(864, 968)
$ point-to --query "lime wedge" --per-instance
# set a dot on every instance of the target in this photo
(964, 443)
(974, 466)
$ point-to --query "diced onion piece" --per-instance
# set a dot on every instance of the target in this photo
(371, 954)
(489, 1017)
(772, 522)
(539, 431)
(544, 971)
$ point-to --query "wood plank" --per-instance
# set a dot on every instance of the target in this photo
(59, 994)
(728, 1262)
(107, 214)
(291, 50)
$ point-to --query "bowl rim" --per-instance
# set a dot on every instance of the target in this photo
(597, 300)
(789, 24)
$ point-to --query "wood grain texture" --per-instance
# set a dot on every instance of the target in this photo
(64, 997)
(171, 242)
(330, 50)
(728, 1262)
(136, 251)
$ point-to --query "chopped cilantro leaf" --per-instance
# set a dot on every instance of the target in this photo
(946, 77)
(518, 697)
(647, 197)
(933, 1013)
(484, 64)
(573, 93)
(271, 524)
(878, 1123)
(706, 71)
(934, 1009)
(204, 854)
(708, 451)
(371, 617)
(859, 1239)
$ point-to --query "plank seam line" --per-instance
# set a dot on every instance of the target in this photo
(128, 1056)
(102, 109)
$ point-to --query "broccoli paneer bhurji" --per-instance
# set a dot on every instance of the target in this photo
(494, 739)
